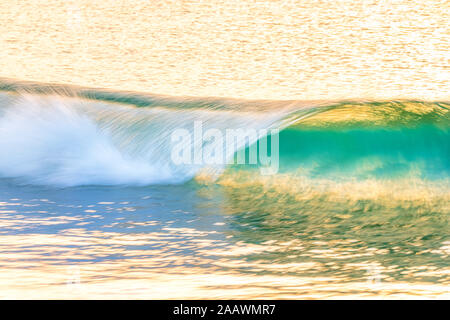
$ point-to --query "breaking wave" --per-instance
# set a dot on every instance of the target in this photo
(72, 136)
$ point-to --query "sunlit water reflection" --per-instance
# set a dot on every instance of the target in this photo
(213, 241)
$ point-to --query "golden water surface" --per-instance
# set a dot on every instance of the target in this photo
(262, 49)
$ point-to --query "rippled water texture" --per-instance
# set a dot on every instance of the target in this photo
(259, 49)
(192, 242)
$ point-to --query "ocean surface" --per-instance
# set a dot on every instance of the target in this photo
(93, 206)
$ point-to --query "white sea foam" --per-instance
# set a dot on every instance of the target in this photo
(47, 141)
(69, 141)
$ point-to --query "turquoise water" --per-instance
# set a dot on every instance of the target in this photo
(91, 204)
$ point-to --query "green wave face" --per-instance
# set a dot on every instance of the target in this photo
(371, 140)
(366, 153)
(353, 171)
